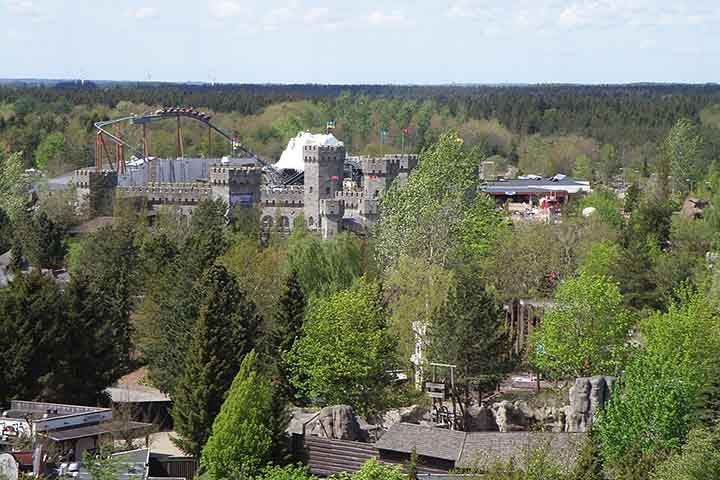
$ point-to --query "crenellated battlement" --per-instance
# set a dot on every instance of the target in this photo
(291, 196)
(240, 175)
(368, 207)
(175, 193)
(87, 177)
(332, 207)
(323, 153)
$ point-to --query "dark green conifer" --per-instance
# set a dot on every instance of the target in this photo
(224, 333)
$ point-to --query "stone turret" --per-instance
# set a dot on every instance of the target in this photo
(324, 171)
(236, 185)
(96, 190)
(331, 212)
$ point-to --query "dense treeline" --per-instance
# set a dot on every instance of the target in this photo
(626, 117)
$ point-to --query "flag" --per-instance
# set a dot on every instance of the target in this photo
(335, 177)
(406, 131)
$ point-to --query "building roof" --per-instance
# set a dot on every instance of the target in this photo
(479, 449)
(427, 441)
(99, 429)
(534, 185)
(136, 394)
(482, 449)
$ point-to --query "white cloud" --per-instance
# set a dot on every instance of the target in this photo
(22, 7)
(225, 8)
(395, 18)
(143, 12)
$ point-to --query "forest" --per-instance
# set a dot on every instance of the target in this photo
(238, 330)
(541, 129)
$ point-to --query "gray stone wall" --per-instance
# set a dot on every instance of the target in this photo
(96, 190)
(324, 171)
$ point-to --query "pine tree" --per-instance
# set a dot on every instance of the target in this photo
(224, 332)
(286, 329)
(240, 444)
(471, 335)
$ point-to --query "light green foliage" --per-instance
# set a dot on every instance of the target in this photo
(289, 472)
(345, 350)
(536, 465)
(609, 163)
(523, 260)
(13, 185)
(239, 446)
(50, 154)
(710, 115)
(683, 149)
(583, 168)
(258, 271)
(438, 215)
(698, 460)
(417, 291)
(607, 205)
(324, 267)
(655, 404)
(585, 332)
(602, 259)
(102, 465)
(374, 470)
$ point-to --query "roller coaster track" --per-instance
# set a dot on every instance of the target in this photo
(104, 131)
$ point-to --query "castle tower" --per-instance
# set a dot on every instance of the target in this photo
(324, 170)
(96, 190)
(331, 213)
(236, 185)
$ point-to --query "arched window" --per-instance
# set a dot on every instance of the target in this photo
(311, 221)
(284, 222)
(267, 221)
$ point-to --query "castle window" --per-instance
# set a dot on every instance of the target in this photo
(285, 222)
(267, 221)
(311, 222)
(327, 190)
(311, 189)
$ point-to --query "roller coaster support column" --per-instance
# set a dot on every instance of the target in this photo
(180, 150)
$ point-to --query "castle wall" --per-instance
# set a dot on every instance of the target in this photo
(236, 184)
(96, 190)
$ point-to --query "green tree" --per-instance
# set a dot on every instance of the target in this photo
(170, 307)
(324, 267)
(240, 444)
(585, 332)
(656, 402)
(416, 293)
(101, 464)
(583, 168)
(438, 214)
(470, 333)
(51, 153)
(345, 350)
(224, 333)
(14, 184)
(33, 323)
(683, 149)
(6, 232)
(699, 458)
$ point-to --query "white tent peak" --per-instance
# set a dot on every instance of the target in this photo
(292, 157)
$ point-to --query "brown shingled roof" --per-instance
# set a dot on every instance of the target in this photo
(477, 450)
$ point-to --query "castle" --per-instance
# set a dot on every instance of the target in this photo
(328, 201)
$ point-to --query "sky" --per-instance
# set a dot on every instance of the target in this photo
(363, 41)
